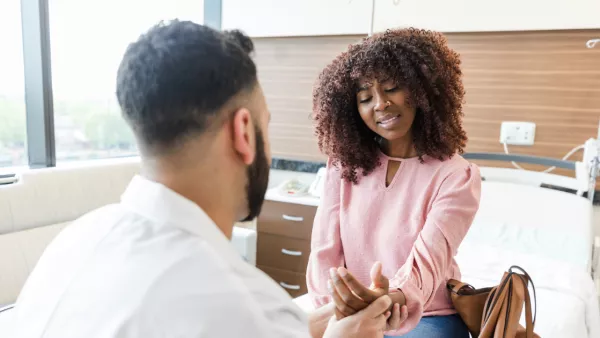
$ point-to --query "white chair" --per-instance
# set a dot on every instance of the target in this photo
(43, 202)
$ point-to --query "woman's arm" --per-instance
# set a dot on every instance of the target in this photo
(326, 244)
(447, 223)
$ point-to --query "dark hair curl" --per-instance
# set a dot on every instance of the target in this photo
(418, 60)
(174, 80)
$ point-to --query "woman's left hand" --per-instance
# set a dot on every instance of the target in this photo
(351, 296)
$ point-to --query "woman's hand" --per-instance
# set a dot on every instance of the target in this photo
(350, 296)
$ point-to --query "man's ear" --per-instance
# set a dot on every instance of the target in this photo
(244, 140)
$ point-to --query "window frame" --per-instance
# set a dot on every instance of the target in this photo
(39, 107)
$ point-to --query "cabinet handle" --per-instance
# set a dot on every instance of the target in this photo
(292, 218)
(291, 253)
(289, 287)
(396, 2)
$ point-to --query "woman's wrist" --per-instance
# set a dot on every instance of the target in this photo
(397, 297)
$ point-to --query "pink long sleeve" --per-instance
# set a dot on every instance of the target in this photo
(326, 245)
(413, 226)
(447, 223)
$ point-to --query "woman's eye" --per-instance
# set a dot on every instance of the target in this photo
(392, 89)
(365, 100)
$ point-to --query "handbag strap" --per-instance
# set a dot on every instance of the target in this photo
(499, 293)
(529, 324)
(528, 279)
(496, 295)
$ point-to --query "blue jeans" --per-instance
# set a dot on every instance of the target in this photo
(439, 327)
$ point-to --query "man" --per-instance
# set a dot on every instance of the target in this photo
(159, 264)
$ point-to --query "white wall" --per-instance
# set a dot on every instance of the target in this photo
(264, 18)
(271, 18)
(481, 15)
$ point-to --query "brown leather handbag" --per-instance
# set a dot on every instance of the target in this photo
(495, 312)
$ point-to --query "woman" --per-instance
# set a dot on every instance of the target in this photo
(388, 114)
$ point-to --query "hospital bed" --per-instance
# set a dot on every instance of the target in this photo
(543, 223)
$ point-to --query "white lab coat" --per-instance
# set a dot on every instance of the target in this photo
(154, 265)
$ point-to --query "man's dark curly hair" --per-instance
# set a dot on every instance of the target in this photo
(174, 80)
(417, 60)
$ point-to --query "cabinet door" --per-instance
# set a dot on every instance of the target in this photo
(484, 15)
(267, 18)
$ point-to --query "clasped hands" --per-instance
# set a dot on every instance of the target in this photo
(350, 296)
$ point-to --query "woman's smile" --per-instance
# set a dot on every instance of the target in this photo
(389, 121)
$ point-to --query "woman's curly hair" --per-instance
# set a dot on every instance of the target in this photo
(418, 60)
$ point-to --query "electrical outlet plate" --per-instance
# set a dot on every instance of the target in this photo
(517, 133)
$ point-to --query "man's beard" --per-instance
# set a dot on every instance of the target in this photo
(258, 179)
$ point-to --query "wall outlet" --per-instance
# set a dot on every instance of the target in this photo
(517, 133)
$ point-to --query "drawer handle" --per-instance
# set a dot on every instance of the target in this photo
(292, 218)
(289, 287)
(291, 253)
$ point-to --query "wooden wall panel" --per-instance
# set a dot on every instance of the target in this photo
(549, 78)
(288, 69)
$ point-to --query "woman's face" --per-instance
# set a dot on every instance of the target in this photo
(385, 109)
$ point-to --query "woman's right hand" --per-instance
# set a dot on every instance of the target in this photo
(351, 296)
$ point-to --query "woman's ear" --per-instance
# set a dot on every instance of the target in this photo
(243, 138)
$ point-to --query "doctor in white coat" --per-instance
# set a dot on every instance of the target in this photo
(159, 263)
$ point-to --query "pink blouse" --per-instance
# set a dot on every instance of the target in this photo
(413, 227)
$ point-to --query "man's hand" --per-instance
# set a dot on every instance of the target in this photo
(371, 322)
(399, 315)
(350, 296)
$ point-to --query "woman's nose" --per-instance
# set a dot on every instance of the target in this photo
(381, 102)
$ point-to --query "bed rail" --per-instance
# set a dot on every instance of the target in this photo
(585, 174)
(529, 159)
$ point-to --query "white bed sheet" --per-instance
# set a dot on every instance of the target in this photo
(532, 220)
(567, 304)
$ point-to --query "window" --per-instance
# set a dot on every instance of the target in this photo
(88, 39)
(12, 87)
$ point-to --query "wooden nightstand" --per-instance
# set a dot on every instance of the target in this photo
(284, 231)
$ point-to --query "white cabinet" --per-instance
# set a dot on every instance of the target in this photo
(267, 18)
(484, 15)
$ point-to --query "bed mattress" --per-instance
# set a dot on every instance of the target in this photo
(536, 221)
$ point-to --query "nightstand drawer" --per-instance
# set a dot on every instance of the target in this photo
(282, 252)
(287, 219)
(292, 282)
